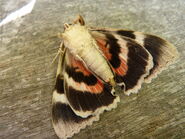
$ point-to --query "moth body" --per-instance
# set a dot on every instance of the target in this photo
(83, 46)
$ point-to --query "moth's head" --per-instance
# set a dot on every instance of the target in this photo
(76, 36)
(74, 30)
(79, 21)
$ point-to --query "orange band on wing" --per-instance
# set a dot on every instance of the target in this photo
(79, 66)
(95, 89)
(102, 45)
(122, 69)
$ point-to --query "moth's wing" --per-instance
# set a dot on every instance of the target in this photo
(86, 94)
(65, 122)
(163, 52)
(129, 60)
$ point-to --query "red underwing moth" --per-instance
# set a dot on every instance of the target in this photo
(93, 62)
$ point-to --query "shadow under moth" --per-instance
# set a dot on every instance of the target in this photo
(93, 62)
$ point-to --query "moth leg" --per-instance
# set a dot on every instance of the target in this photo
(79, 20)
(60, 51)
(118, 87)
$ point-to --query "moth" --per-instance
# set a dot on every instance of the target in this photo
(94, 63)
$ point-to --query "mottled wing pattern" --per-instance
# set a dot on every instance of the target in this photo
(79, 97)
(129, 60)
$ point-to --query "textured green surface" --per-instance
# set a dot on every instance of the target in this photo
(29, 44)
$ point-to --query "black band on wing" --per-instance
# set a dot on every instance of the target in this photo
(65, 113)
(59, 86)
(114, 50)
(153, 45)
(125, 33)
(86, 101)
(80, 77)
(137, 62)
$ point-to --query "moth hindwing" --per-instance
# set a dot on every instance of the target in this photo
(95, 62)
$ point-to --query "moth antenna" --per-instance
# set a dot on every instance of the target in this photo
(79, 20)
